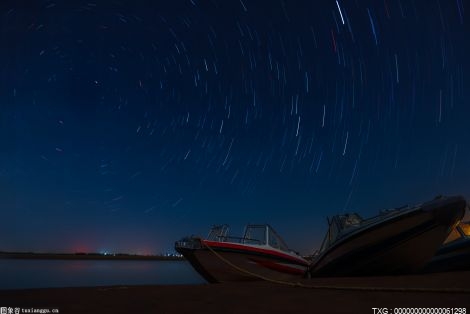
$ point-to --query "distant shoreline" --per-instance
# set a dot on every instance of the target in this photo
(87, 256)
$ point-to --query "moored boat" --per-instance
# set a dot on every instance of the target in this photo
(259, 254)
(396, 241)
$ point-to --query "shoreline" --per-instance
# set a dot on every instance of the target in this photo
(87, 256)
(357, 295)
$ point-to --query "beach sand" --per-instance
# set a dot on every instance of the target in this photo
(254, 297)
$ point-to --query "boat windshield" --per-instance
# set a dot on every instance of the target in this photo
(337, 225)
(276, 241)
(218, 233)
(264, 234)
(254, 234)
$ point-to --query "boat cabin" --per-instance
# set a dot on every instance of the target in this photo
(253, 234)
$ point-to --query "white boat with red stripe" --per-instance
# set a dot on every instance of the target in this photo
(260, 254)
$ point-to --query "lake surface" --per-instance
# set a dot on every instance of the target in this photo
(36, 273)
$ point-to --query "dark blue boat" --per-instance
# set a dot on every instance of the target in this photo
(394, 242)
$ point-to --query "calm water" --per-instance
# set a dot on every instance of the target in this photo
(24, 273)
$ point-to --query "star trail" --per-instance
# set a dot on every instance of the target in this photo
(125, 125)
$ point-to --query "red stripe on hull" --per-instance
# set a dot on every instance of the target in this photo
(280, 267)
(241, 247)
(247, 268)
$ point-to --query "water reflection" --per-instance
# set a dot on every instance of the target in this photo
(22, 274)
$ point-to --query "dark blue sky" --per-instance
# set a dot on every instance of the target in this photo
(125, 125)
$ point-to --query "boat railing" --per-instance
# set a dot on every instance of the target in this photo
(234, 239)
(252, 241)
(360, 222)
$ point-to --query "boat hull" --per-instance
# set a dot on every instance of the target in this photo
(454, 256)
(225, 263)
(403, 243)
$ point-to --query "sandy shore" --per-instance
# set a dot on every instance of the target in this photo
(256, 297)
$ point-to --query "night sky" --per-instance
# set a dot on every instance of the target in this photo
(125, 125)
